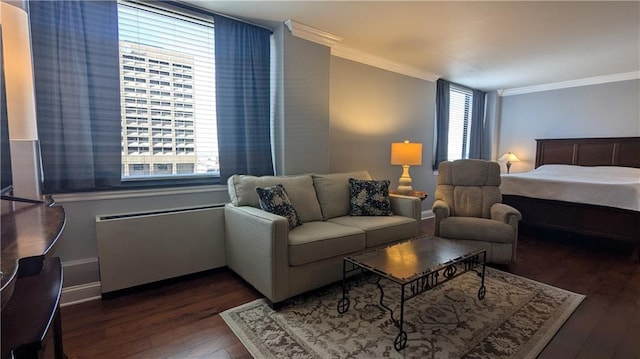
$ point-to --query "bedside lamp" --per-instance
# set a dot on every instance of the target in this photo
(509, 157)
(406, 154)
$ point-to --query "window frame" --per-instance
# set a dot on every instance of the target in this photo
(181, 12)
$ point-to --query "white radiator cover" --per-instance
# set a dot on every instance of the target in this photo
(140, 248)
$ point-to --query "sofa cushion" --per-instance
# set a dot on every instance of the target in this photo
(242, 191)
(333, 192)
(274, 200)
(314, 241)
(480, 229)
(380, 230)
(369, 197)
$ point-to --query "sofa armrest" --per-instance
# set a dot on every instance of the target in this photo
(256, 246)
(505, 213)
(441, 211)
(406, 206)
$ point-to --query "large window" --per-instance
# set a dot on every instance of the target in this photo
(460, 124)
(127, 95)
(460, 114)
(168, 100)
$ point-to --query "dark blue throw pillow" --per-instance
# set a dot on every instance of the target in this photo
(274, 199)
(369, 198)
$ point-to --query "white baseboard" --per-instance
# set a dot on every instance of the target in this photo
(80, 272)
(80, 293)
(427, 214)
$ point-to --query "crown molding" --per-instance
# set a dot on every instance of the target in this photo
(324, 38)
(634, 75)
(312, 34)
(382, 63)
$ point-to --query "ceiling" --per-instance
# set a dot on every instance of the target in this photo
(481, 44)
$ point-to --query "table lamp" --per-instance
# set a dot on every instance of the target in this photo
(509, 157)
(406, 154)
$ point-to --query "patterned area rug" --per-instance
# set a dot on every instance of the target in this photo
(516, 319)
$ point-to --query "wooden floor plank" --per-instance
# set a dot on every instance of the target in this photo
(181, 320)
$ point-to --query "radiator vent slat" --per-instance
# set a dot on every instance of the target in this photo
(168, 211)
(140, 248)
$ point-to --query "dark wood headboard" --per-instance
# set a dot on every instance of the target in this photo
(605, 151)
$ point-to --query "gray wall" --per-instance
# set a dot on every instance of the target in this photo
(604, 110)
(302, 106)
(370, 109)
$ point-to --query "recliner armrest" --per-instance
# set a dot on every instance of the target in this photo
(441, 209)
(505, 213)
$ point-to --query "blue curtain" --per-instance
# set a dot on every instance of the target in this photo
(477, 141)
(242, 98)
(75, 55)
(442, 121)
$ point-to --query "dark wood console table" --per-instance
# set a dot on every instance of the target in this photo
(31, 278)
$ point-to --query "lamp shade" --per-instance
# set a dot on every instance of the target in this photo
(406, 153)
(510, 157)
(18, 71)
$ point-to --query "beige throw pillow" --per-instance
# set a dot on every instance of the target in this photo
(300, 190)
(333, 192)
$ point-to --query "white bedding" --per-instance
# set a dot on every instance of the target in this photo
(610, 186)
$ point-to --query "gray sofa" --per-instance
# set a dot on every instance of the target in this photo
(281, 262)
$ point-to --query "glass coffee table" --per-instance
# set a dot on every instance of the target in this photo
(416, 265)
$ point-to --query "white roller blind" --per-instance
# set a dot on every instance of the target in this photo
(167, 66)
(461, 100)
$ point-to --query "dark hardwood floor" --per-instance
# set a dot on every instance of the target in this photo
(180, 320)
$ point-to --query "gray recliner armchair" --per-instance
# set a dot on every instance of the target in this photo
(468, 209)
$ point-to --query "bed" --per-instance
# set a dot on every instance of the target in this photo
(577, 191)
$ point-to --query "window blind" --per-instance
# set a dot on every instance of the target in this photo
(167, 67)
(459, 122)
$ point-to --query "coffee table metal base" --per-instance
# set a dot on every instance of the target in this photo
(414, 287)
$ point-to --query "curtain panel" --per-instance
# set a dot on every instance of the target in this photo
(442, 122)
(243, 98)
(477, 141)
(76, 70)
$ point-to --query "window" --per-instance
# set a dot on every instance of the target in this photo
(139, 169)
(460, 108)
(460, 123)
(185, 168)
(85, 62)
(171, 79)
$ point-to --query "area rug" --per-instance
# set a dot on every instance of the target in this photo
(516, 319)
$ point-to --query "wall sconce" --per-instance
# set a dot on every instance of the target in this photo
(406, 154)
(509, 157)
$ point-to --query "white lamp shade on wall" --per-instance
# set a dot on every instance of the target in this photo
(18, 72)
(20, 99)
